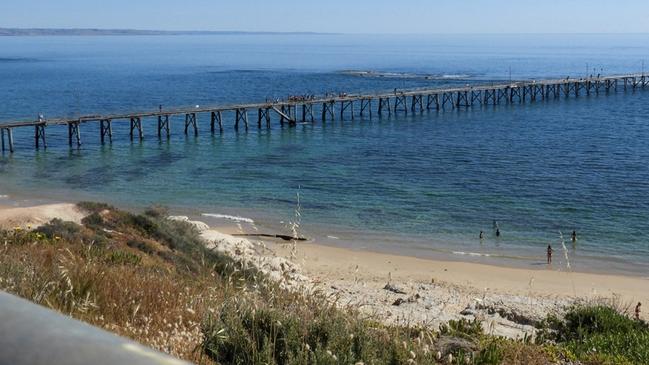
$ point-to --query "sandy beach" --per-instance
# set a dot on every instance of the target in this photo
(401, 289)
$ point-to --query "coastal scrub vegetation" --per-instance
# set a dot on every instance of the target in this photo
(152, 279)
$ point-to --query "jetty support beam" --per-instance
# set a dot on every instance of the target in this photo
(430, 99)
(136, 123)
(462, 99)
(190, 121)
(39, 136)
(417, 103)
(307, 112)
(263, 114)
(384, 103)
(215, 118)
(344, 105)
(447, 97)
(328, 109)
(163, 124)
(9, 144)
(241, 115)
(400, 100)
(73, 133)
(366, 104)
(106, 129)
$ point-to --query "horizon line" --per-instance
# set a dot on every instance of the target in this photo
(35, 31)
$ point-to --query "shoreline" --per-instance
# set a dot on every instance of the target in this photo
(400, 289)
(445, 253)
(488, 277)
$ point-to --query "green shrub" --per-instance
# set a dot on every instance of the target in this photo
(601, 335)
(123, 258)
(93, 220)
(305, 332)
(491, 354)
(58, 229)
(470, 330)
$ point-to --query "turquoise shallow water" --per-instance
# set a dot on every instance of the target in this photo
(422, 184)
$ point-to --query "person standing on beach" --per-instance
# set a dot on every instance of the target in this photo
(637, 311)
(549, 254)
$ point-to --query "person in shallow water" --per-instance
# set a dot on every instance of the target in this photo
(574, 236)
(549, 254)
(481, 235)
(497, 232)
(637, 311)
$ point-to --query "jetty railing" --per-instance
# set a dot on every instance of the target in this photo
(292, 112)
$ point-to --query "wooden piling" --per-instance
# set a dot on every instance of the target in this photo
(263, 114)
(136, 123)
(400, 100)
(39, 135)
(10, 140)
(163, 124)
(241, 116)
(307, 112)
(344, 105)
(384, 103)
(216, 117)
(328, 109)
(417, 102)
(476, 96)
(447, 97)
(430, 99)
(106, 129)
(74, 134)
(366, 104)
(190, 121)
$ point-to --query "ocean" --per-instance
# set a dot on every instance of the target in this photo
(422, 184)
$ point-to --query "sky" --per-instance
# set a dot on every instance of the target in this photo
(337, 16)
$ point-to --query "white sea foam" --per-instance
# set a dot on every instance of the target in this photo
(229, 217)
(3, 196)
(455, 76)
(333, 237)
(471, 254)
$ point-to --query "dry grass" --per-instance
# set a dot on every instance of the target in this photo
(99, 279)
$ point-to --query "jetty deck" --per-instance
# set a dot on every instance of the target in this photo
(328, 107)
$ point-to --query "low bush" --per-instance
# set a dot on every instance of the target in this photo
(600, 335)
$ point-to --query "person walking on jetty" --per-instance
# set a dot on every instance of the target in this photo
(637, 311)
(550, 254)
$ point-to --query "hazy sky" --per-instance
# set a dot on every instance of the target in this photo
(346, 16)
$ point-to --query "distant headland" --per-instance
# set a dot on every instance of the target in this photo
(124, 32)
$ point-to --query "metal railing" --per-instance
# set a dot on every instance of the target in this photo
(34, 335)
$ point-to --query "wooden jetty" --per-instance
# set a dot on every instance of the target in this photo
(304, 111)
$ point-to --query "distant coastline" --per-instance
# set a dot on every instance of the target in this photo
(127, 32)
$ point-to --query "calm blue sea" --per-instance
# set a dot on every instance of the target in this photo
(422, 185)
